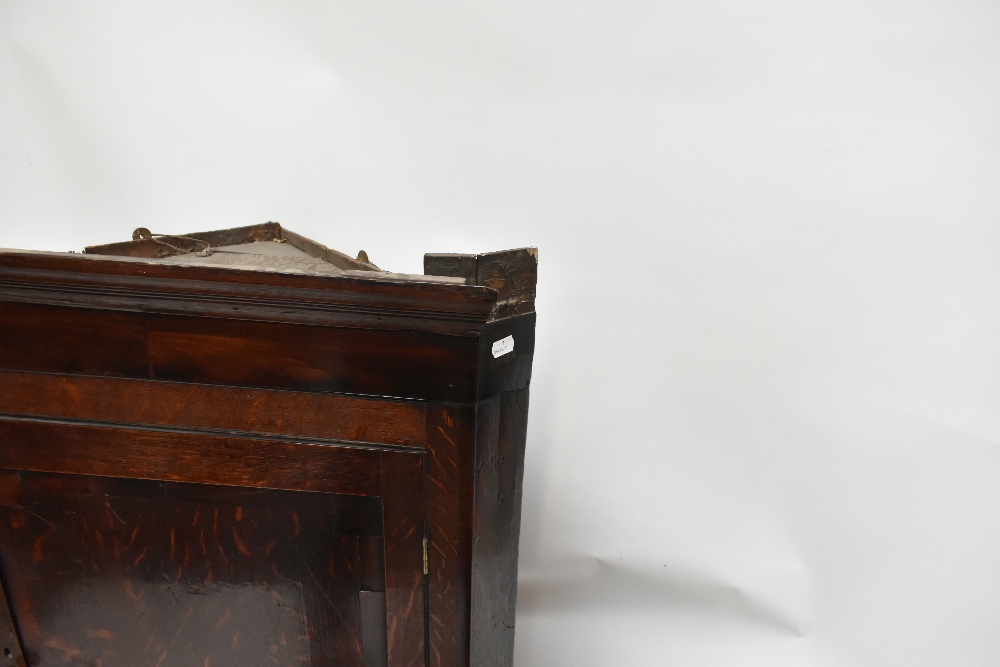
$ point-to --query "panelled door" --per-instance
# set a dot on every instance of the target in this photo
(131, 544)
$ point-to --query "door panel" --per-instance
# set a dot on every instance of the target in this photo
(109, 572)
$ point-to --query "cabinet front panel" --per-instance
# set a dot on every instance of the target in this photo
(48, 445)
(398, 363)
(218, 407)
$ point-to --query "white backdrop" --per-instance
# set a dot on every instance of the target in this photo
(764, 424)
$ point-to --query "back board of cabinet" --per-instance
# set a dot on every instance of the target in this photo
(242, 447)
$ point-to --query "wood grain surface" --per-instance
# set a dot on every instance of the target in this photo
(110, 573)
(50, 446)
(501, 433)
(364, 299)
(451, 467)
(211, 466)
(404, 528)
(219, 407)
(11, 650)
(402, 364)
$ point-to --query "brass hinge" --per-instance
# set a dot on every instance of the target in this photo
(426, 567)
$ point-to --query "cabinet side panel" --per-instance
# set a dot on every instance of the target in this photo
(501, 370)
(501, 431)
(450, 472)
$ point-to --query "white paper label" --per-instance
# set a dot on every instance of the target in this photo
(503, 346)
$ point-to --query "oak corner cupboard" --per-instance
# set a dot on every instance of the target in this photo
(241, 447)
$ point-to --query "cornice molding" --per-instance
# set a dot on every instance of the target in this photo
(371, 300)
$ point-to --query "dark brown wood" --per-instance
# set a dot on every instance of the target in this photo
(512, 273)
(451, 433)
(218, 407)
(371, 553)
(52, 446)
(453, 265)
(366, 299)
(11, 652)
(291, 447)
(42, 338)
(113, 573)
(501, 433)
(262, 354)
(404, 529)
(512, 370)
(408, 364)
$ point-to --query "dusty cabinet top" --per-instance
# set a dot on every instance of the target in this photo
(258, 265)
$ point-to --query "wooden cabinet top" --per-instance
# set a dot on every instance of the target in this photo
(269, 273)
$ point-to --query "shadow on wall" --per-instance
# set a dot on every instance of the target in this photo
(593, 584)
